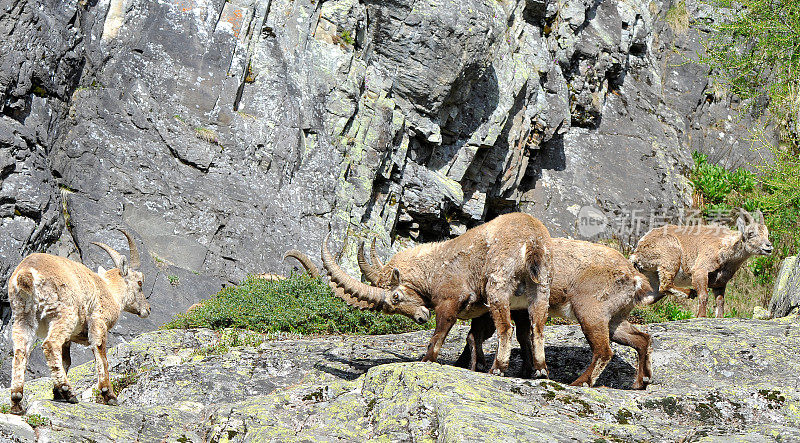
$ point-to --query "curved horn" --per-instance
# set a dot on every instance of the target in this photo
(371, 273)
(313, 271)
(350, 285)
(373, 255)
(309, 266)
(120, 262)
(134, 262)
(351, 300)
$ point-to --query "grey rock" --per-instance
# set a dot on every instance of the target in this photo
(786, 293)
(14, 429)
(713, 378)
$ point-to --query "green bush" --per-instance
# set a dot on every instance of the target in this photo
(721, 189)
(300, 304)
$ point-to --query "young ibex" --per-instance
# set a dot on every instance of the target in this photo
(595, 285)
(498, 266)
(64, 301)
(699, 257)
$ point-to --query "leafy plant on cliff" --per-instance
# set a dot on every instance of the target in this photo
(300, 304)
(756, 55)
(720, 188)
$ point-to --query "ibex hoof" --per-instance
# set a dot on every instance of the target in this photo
(540, 373)
(112, 402)
(17, 409)
(16, 397)
(585, 385)
(498, 372)
(64, 393)
(646, 381)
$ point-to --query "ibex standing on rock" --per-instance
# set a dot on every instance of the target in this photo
(597, 286)
(64, 301)
(496, 267)
(700, 257)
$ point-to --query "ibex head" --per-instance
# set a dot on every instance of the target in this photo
(396, 298)
(133, 299)
(755, 235)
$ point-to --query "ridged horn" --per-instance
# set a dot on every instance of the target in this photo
(120, 262)
(313, 271)
(135, 262)
(371, 273)
(373, 255)
(309, 266)
(350, 285)
(351, 300)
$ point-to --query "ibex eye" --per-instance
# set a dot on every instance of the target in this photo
(140, 283)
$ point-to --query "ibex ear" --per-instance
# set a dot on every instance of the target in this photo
(741, 223)
(759, 217)
(395, 277)
(123, 269)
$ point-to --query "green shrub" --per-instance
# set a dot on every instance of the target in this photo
(754, 56)
(721, 188)
(300, 304)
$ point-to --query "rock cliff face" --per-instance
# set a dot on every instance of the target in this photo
(714, 380)
(224, 132)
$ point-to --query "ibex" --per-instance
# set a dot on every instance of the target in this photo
(595, 285)
(699, 257)
(64, 301)
(495, 267)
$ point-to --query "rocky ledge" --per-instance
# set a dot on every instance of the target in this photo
(713, 379)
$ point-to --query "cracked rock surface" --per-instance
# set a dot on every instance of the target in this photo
(223, 132)
(714, 379)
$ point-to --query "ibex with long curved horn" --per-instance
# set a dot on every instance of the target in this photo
(498, 266)
(69, 303)
(698, 257)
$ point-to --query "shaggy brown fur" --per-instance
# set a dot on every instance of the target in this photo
(496, 267)
(696, 258)
(63, 301)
